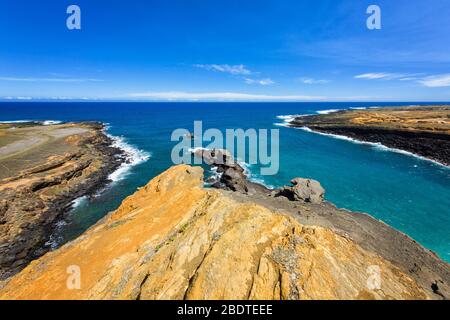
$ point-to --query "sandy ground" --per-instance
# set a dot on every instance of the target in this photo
(42, 170)
(24, 147)
(434, 119)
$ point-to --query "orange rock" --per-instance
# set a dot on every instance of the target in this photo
(173, 239)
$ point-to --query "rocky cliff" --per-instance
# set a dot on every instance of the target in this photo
(43, 169)
(174, 239)
(424, 130)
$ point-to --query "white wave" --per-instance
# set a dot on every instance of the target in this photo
(43, 122)
(78, 202)
(16, 121)
(133, 157)
(287, 119)
(375, 145)
(261, 181)
(214, 176)
(55, 238)
(252, 176)
(194, 150)
(358, 108)
(328, 111)
(291, 117)
(281, 124)
(307, 129)
(51, 122)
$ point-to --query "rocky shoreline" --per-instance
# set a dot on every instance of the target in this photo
(412, 129)
(304, 201)
(33, 199)
(432, 146)
(175, 239)
(231, 177)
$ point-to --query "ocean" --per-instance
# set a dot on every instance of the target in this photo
(406, 192)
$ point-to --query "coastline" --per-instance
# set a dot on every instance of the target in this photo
(372, 234)
(417, 262)
(422, 142)
(379, 145)
(131, 156)
(35, 200)
(143, 250)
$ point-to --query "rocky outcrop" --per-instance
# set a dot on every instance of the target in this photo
(424, 131)
(174, 239)
(74, 160)
(306, 190)
(231, 176)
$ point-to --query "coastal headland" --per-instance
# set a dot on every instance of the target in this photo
(43, 169)
(176, 239)
(421, 130)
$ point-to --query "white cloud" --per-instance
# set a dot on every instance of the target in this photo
(263, 82)
(436, 81)
(313, 81)
(23, 98)
(408, 79)
(49, 79)
(380, 75)
(220, 96)
(389, 76)
(239, 69)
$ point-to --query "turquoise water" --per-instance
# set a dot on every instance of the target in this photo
(407, 193)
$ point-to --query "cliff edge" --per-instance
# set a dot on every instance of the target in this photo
(421, 130)
(44, 168)
(174, 239)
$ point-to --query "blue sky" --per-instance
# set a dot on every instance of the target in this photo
(274, 50)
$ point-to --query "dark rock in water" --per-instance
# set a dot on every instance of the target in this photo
(306, 190)
(232, 175)
(233, 178)
(421, 130)
(210, 180)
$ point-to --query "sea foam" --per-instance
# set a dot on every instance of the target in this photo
(50, 122)
(287, 119)
(329, 111)
(133, 157)
(375, 145)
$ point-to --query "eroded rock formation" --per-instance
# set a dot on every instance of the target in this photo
(174, 239)
(38, 185)
(306, 190)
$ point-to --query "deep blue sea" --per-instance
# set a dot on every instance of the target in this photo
(408, 193)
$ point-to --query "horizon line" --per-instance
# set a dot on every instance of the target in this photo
(37, 100)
